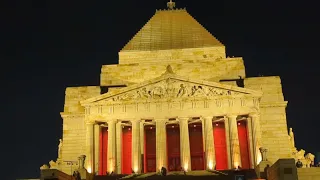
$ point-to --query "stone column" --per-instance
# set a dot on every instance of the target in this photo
(96, 147)
(136, 146)
(90, 146)
(111, 146)
(252, 158)
(256, 137)
(209, 141)
(161, 144)
(234, 142)
(185, 144)
(227, 131)
(119, 147)
(142, 146)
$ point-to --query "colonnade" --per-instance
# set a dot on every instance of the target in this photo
(137, 125)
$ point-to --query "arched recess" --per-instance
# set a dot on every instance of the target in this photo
(173, 147)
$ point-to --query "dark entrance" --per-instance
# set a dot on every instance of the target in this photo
(173, 147)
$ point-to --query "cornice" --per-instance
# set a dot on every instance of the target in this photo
(273, 104)
(68, 115)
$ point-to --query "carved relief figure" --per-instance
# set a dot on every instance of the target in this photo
(171, 88)
(291, 138)
(182, 91)
(60, 149)
(158, 92)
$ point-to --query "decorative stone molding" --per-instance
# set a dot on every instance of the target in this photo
(70, 115)
(274, 104)
(171, 86)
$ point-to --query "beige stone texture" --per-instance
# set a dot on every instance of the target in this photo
(119, 146)
(234, 141)
(309, 173)
(128, 74)
(161, 144)
(209, 143)
(74, 95)
(74, 140)
(111, 161)
(165, 74)
(273, 122)
(184, 144)
(283, 169)
(136, 154)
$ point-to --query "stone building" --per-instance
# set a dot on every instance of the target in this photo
(176, 101)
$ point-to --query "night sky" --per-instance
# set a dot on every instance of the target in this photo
(50, 45)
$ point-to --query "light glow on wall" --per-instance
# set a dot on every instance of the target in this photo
(210, 165)
(111, 166)
(89, 169)
(236, 164)
(259, 157)
(186, 166)
(135, 170)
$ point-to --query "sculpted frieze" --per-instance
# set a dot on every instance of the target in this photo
(172, 89)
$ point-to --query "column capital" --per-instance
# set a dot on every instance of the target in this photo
(254, 115)
(112, 121)
(206, 117)
(161, 120)
(232, 115)
(183, 118)
(90, 122)
(135, 120)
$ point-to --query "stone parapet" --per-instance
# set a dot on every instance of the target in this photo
(309, 173)
(127, 74)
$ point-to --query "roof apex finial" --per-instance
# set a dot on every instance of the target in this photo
(171, 5)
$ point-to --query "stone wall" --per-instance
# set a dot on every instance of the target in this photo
(309, 173)
(74, 95)
(209, 70)
(74, 129)
(283, 169)
(274, 130)
(207, 53)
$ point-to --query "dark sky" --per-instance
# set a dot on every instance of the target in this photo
(50, 45)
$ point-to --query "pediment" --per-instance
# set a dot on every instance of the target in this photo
(169, 87)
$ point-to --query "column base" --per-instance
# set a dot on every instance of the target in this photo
(261, 169)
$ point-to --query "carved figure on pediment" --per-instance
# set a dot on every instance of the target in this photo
(158, 92)
(144, 93)
(212, 91)
(43, 167)
(60, 149)
(170, 88)
(197, 91)
(182, 91)
(309, 159)
(291, 138)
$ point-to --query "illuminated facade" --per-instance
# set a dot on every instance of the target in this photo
(176, 101)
